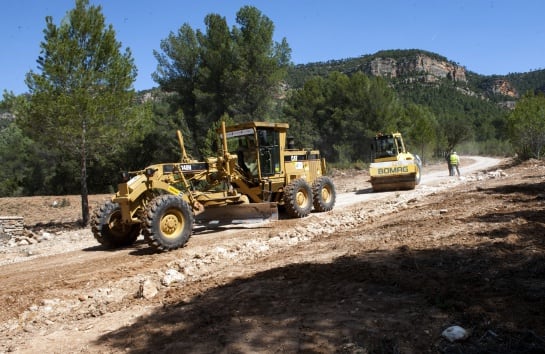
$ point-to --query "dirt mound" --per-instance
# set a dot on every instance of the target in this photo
(63, 212)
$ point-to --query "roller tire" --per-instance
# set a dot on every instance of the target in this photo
(324, 194)
(108, 229)
(298, 199)
(418, 176)
(168, 223)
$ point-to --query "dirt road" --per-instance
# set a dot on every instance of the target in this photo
(381, 273)
(431, 179)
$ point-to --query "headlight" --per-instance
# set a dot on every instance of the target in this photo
(125, 176)
(150, 172)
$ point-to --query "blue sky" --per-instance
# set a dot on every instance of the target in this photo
(486, 36)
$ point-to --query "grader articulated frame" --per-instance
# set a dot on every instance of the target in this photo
(164, 201)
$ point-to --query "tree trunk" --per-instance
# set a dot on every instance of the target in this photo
(84, 192)
(84, 195)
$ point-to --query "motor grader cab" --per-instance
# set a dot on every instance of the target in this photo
(254, 172)
(272, 170)
(393, 167)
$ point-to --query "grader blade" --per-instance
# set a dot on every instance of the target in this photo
(238, 214)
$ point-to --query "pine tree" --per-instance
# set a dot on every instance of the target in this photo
(526, 126)
(80, 100)
(221, 71)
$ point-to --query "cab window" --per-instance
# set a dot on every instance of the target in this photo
(269, 151)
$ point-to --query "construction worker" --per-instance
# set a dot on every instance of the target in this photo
(250, 157)
(449, 166)
(454, 163)
(247, 156)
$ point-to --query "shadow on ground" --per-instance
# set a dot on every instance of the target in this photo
(375, 302)
(396, 301)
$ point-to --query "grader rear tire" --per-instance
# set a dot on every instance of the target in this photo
(324, 194)
(298, 199)
(108, 229)
(168, 223)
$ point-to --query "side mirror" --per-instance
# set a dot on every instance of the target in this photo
(291, 143)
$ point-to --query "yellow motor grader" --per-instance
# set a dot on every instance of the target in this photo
(257, 169)
(393, 167)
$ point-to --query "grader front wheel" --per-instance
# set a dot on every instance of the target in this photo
(298, 199)
(168, 223)
(108, 229)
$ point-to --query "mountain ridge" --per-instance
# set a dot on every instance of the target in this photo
(405, 65)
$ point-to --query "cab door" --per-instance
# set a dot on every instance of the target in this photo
(269, 151)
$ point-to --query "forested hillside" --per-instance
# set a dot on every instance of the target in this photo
(473, 105)
(531, 81)
(478, 84)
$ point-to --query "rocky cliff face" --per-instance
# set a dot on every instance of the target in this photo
(5, 119)
(504, 87)
(426, 69)
(420, 67)
(6, 115)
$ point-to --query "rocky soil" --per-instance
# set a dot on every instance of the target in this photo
(392, 272)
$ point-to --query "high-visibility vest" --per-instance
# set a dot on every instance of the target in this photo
(454, 159)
